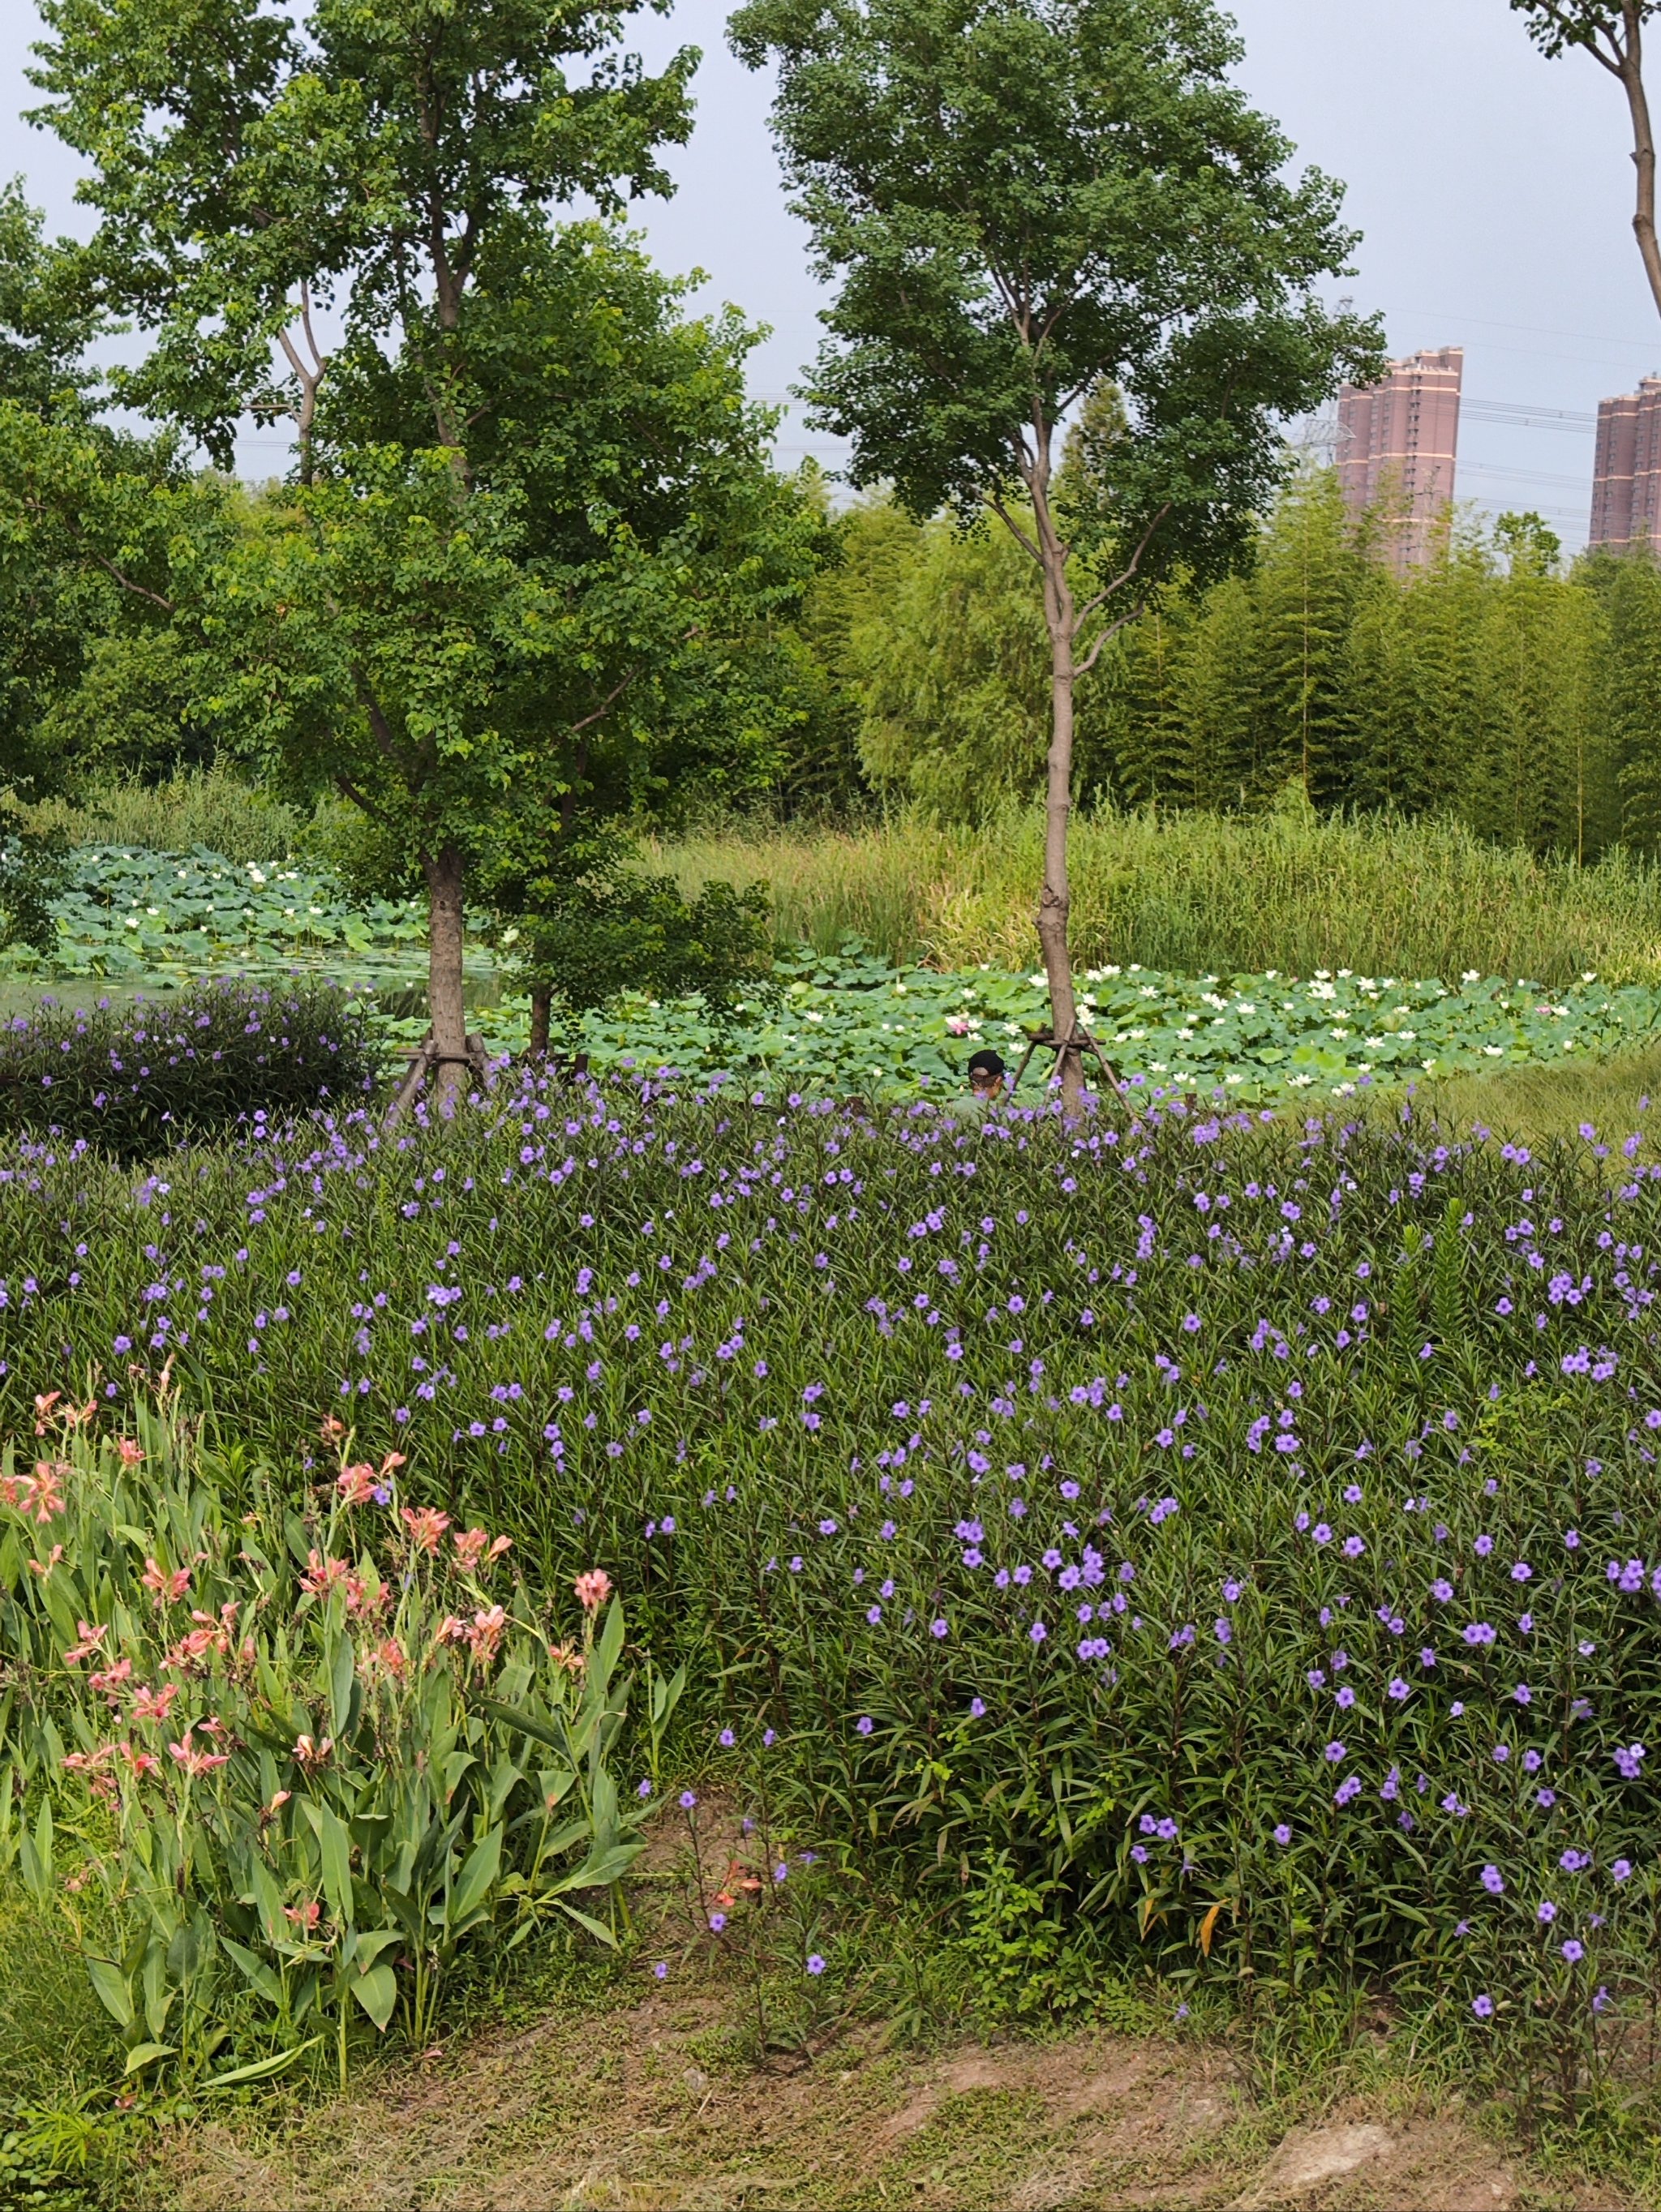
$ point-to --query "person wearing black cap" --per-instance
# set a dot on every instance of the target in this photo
(986, 1074)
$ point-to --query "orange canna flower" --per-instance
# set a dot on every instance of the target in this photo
(331, 1429)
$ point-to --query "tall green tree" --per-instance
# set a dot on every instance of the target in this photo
(1021, 201)
(1309, 571)
(530, 503)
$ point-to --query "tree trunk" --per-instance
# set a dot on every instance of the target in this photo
(445, 938)
(1631, 73)
(1055, 900)
(541, 1001)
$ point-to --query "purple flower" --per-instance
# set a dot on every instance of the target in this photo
(1283, 1833)
(865, 1724)
(977, 1708)
(662, 1970)
(1547, 1913)
(717, 1921)
(1622, 1869)
(1629, 1758)
(1493, 1882)
(1574, 1952)
(1483, 2006)
(727, 1739)
(688, 1799)
(937, 1628)
(815, 1963)
(1334, 1752)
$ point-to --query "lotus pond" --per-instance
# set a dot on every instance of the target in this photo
(848, 1023)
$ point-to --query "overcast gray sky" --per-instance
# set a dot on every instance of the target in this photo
(1493, 189)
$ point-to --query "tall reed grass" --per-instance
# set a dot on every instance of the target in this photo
(215, 807)
(1201, 894)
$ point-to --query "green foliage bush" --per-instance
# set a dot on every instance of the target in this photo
(137, 1079)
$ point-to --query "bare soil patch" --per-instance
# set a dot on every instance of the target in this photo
(641, 2108)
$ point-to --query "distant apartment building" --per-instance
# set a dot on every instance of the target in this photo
(1626, 488)
(1396, 446)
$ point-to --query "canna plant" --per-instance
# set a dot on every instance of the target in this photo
(314, 1755)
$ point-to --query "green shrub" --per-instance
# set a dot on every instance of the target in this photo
(137, 1079)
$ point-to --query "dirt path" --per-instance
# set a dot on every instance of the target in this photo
(629, 2108)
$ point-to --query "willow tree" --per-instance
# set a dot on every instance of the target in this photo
(1022, 202)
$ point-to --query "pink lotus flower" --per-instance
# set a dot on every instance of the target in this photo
(592, 1589)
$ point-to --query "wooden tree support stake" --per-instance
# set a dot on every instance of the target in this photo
(1080, 1040)
(426, 1062)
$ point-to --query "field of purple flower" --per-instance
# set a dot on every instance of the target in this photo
(1234, 1546)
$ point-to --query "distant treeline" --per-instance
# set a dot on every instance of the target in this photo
(1495, 686)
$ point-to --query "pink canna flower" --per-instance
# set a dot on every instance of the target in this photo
(426, 1524)
(194, 1762)
(592, 1589)
(164, 1588)
(45, 1566)
(312, 1754)
(470, 1544)
(149, 1704)
(140, 1762)
(355, 1483)
(321, 1575)
(43, 1410)
(45, 1498)
(130, 1452)
(451, 1631)
(388, 1656)
(485, 1633)
(108, 1683)
(304, 1916)
(90, 1638)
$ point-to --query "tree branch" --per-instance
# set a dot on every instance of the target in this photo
(1129, 570)
(995, 502)
(140, 590)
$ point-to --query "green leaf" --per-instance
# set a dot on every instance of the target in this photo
(261, 2069)
(341, 1677)
(263, 1976)
(479, 1871)
(146, 2054)
(336, 1842)
(114, 1991)
(377, 1992)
